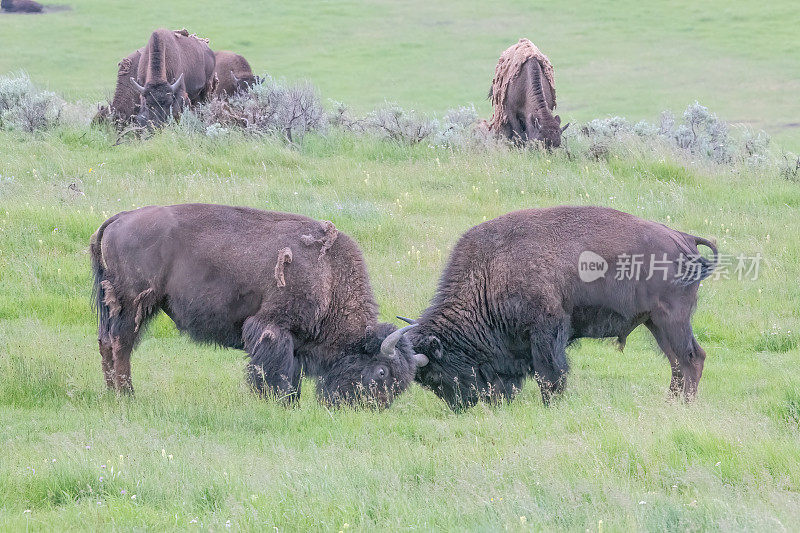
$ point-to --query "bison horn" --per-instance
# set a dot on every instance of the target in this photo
(407, 320)
(235, 79)
(174, 86)
(565, 127)
(389, 343)
(137, 86)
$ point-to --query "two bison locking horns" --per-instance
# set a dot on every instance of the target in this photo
(294, 293)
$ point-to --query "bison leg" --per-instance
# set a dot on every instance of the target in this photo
(549, 352)
(273, 368)
(686, 357)
(121, 347)
(676, 381)
(107, 354)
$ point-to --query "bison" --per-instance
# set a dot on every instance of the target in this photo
(21, 6)
(175, 69)
(518, 289)
(291, 291)
(233, 74)
(523, 95)
(125, 104)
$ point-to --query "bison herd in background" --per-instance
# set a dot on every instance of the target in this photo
(176, 69)
(294, 293)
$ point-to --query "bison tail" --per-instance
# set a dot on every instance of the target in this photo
(698, 268)
(100, 285)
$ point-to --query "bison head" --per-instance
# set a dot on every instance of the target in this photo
(549, 131)
(244, 83)
(372, 371)
(455, 377)
(159, 101)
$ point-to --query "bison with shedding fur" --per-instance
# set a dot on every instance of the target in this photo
(291, 291)
(125, 105)
(175, 70)
(513, 297)
(523, 96)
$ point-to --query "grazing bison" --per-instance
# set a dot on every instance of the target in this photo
(21, 6)
(523, 95)
(125, 105)
(519, 289)
(233, 74)
(291, 291)
(175, 69)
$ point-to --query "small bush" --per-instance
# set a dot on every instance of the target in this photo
(790, 166)
(24, 107)
(274, 107)
(395, 123)
(458, 128)
(701, 135)
(343, 118)
(267, 108)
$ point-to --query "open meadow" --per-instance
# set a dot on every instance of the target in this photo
(194, 448)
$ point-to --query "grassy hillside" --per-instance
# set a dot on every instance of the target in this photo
(195, 449)
(625, 58)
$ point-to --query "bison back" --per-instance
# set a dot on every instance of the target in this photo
(537, 255)
(211, 267)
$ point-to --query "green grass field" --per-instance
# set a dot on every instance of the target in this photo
(194, 449)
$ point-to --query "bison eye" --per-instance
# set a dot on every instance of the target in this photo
(381, 373)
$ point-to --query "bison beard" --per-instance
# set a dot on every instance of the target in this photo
(213, 270)
(510, 301)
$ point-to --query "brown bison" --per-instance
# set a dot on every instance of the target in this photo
(175, 69)
(523, 95)
(125, 105)
(21, 6)
(291, 291)
(519, 289)
(233, 74)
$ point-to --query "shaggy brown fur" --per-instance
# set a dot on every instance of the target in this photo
(511, 300)
(125, 104)
(175, 69)
(233, 74)
(524, 96)
(213, 270)
(21, 6)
